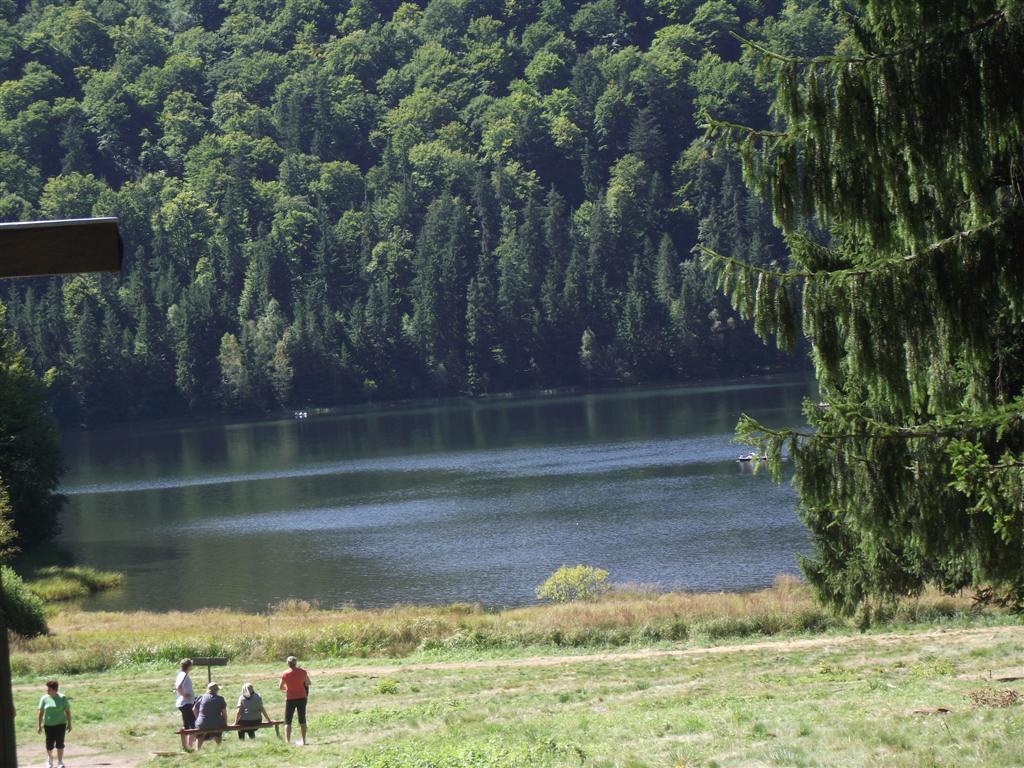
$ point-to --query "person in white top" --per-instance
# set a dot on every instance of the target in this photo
(184, 701)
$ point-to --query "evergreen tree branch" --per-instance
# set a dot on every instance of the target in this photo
(1004, 465)
(711, 124)
(788, 276)
(999, 419)
(895, 53)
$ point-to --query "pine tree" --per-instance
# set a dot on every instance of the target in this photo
(667, 276)
(639, 325)
(281, 370)
(513, 295)
(907, 145)
(234, 388)
(443, 267)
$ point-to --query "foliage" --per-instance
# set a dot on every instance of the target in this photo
(902, 210)
(56, 583)
(22, 610)
(84, 641)
(29, 455)
(387, 686)
(8, 536)
(569, 584)
(394, 200)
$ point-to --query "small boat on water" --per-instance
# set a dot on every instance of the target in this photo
(752, 457)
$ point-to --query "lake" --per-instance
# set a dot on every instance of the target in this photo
(474, 501)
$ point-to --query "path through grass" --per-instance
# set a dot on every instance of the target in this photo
(842, 700)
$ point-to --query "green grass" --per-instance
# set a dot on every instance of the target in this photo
(63, 583)
(93, 641)
(845, 700)
(764, 679)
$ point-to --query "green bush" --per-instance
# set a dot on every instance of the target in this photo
(23, 611)
(566, 585)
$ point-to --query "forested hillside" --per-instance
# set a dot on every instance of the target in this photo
(326, 201)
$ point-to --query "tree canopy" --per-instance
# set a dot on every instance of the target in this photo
(29, 457)
(894, 169)
(340, 200)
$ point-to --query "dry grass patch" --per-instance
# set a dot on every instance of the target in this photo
(84, 641)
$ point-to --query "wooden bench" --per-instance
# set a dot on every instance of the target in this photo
(240, 727)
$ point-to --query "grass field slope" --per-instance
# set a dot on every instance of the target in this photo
(933, 684)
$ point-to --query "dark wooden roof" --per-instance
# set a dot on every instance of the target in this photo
(60, 247)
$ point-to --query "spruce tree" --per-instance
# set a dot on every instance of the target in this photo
(906, 147)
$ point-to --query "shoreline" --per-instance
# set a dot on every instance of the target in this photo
(95, 641)
(358, 408)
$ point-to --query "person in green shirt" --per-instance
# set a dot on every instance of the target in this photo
(55, 717)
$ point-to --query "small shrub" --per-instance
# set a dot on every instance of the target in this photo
(991, 697)
(387, 686)
(293, 605)
(678, 630)
(729, 626)
(566, 585)
(813, 620)
(22, 609)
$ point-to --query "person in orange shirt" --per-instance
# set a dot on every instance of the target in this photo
(295, 684)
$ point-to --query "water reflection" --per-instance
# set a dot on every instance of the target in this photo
(436, 503)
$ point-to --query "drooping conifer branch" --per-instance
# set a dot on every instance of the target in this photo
(972, 425)
(875, 144)
(884, 301)
(942, 39)
(793, 275)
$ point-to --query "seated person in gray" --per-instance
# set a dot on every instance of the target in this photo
(250, 711)
(211, 712)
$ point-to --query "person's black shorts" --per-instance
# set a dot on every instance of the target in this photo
(252, 733)
(54, 736)
(188, 717)
(295, 705)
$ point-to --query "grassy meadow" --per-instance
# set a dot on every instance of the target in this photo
(635, 679)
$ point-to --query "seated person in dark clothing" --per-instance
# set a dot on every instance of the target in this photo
(211, 712)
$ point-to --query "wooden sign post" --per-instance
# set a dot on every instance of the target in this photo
(209, 662)
(31, 249)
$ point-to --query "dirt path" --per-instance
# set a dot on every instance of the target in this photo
(794, 644)
(81, 757)
(791, 644)
(29, 754)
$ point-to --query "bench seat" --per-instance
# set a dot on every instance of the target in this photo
(240, 727)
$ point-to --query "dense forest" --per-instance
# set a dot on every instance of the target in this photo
(328, 201)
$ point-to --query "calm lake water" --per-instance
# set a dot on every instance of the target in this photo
(459, 501)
